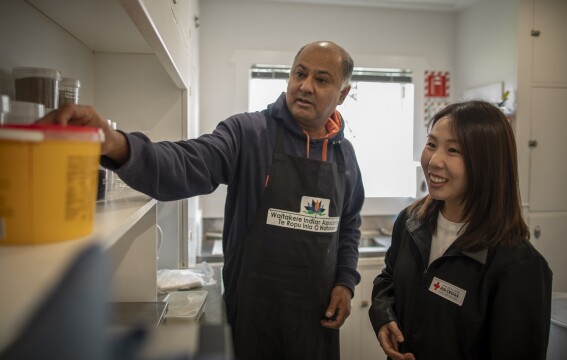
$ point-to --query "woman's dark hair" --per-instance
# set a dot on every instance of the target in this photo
(492, 210)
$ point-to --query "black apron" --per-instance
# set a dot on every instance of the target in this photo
(289, 259)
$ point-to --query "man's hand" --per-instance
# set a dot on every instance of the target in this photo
(389, 336)
(114, 146)
(339, 307)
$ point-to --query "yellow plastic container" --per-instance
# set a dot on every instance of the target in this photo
(48, 182)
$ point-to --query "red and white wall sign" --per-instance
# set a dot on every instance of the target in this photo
(436, 93)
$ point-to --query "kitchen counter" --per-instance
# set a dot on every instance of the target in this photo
(214, 308)
(209, 338)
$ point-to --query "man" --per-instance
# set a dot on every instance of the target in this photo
(292, 213)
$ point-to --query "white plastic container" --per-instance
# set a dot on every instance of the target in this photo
(38, 85)
(185, 306)
(23, 112)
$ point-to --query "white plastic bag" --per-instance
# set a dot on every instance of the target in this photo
(184, 279)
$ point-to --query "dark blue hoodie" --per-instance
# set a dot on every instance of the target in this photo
(238, 153)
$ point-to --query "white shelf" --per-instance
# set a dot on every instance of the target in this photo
(115, 217)
(125, 228)
(125, 26)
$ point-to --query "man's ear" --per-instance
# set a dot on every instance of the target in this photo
(344, 93)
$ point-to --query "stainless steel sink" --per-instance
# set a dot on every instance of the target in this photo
(373, 246)
(367, 242)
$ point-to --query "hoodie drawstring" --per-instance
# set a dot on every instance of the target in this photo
(324, 153)
(308, 139)
(324, 150)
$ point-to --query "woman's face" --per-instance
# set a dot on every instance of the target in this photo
(444, 169)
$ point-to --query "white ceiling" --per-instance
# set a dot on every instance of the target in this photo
(433, 5)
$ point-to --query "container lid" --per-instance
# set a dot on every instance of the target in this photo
(50, 132)
(27, 72)
(14, 134)
(70, 82)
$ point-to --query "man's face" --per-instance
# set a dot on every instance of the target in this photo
(314, 87)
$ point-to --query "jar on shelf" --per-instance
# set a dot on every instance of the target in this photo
(37, 85)
(69, 91)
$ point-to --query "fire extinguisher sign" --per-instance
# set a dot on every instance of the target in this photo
(436, 94)
(436, 84)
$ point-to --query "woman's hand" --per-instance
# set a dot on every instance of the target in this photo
(389, 336)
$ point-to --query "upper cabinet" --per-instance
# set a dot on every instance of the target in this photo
(164, 28)
(549, 45)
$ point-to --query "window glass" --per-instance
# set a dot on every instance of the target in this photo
(379, 122)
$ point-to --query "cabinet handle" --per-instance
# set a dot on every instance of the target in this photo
(532, 143)
(536, 33)
(537, 232)
(364, 303)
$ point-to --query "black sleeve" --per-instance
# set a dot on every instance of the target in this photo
(520, 313)
(383, 300)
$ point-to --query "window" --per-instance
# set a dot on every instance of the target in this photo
(266, 84)
(379, 113)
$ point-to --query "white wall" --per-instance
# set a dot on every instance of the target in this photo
(486, 48)
(154, 108)
(43, 45)
(487, 52)
(229, 28)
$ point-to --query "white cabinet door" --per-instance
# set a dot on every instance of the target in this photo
(550, 242)
(350, 335)
(546, 87)
(358, 341)
(369, 347)
(548, 167)
(550, 46)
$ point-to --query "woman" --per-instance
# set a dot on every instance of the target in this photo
(462, 280)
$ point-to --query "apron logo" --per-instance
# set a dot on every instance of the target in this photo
(313, 216)
(317, 206)
(448, 291)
